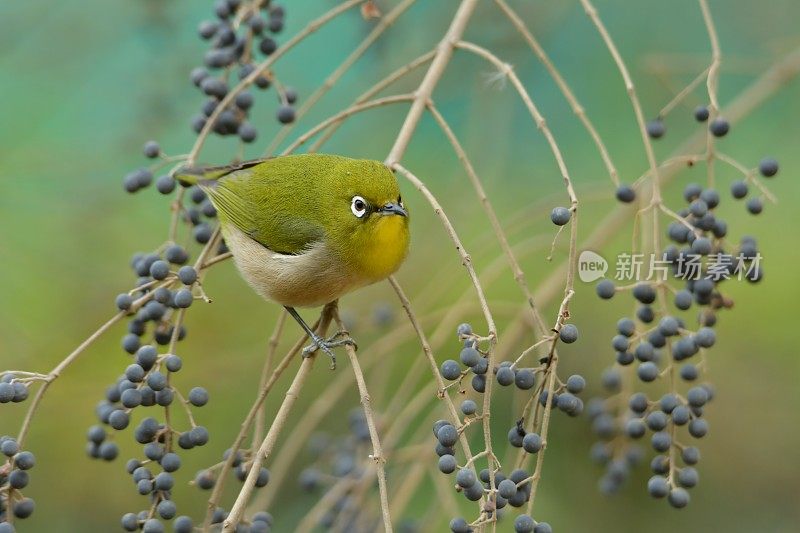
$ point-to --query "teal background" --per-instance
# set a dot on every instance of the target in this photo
(83, 85)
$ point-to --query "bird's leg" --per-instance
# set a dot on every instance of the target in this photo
(318, 342)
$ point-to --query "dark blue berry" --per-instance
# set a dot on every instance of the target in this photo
(656, 129)
(719, 127)
(768, 167)
(701, 113)
(560, 216)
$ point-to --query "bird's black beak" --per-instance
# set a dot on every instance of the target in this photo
(393, 209)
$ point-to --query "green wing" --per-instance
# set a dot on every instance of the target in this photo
(270, 200)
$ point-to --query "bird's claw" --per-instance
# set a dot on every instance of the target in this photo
(340, 338)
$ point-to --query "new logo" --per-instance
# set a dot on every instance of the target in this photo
(591, 266)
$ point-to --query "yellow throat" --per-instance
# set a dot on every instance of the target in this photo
(385, 249)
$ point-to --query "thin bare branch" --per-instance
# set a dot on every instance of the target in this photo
(451, 232)
(508, 71)
(444, 52)
(377, 451)
(350, 111)
(268, 444)
(372, 91)
(385, 22)
(272, 345)
(632, 94)
(59, 368)
(563, 86)
(519, 275)
(678, 98)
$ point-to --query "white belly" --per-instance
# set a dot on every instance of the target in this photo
(309, 279)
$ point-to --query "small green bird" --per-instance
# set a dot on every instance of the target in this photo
(307, 229)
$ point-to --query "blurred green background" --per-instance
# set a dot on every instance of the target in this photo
(84, 84)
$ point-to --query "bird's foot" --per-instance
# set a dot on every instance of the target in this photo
(340, 338)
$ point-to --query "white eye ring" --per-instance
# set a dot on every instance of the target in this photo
(358, 206)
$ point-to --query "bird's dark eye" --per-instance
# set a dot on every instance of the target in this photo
(400, 201)
(358, 206)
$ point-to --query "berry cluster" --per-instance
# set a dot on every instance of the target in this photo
(14, 477)
(501, 490)
(240, 32)
(165, 287)
(164, 290)
(144, 385)
(660, 345)
(513, 490)
(704, 201)
(12, 389)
